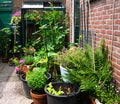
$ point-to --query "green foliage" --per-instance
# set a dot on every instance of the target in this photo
(91, 70)
(37, 79)
(52, 30)
(51, 90)
(67, 57)
(29, 59)
(5, 40)
(32, 15)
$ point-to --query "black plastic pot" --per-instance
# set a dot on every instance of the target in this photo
(63, 99)
(25, 86)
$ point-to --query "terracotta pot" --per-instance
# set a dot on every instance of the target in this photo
(5, 60)
(38, 98)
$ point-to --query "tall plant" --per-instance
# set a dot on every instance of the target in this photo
(52, 29)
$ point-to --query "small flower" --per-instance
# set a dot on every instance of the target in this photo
(114, 81)
(22, 61)
(17, 69)
(18, 13)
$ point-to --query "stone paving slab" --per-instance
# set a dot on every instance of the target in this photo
(11, 88)
(13, 94)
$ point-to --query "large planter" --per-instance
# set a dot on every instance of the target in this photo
(63, 99)
(25, 86)
(38, 98)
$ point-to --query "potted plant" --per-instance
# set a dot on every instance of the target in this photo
(25, 69)
(52, 31)
(66, 58)
(93, 73)
(19, 66)
(29, 59)
(61, 93)
(36, 81)
(5, 37)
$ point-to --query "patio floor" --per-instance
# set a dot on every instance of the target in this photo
(11, 88)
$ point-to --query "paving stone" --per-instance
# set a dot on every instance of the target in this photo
(11, 88)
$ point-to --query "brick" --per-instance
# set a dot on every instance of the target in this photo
(117, 10)
(103, 31)
(103, 13)
(118, 61)
(109, 32)
(116, 66)
(109, 12)
(117, 78)
(116, 27)
(109, 1)
(116, 71)
(114, 59)
(116, 55)
(117, 22)
(116, 16)
(108, 42)
(107, 7)
(109, 22)
(106, 36)
(117, 33)
(101, 8)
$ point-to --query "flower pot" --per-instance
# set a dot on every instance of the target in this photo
(38, 98)
(19, 74)
(49, 77)
(25, 86)
(63, 99)
(5, 60)
(63, 72)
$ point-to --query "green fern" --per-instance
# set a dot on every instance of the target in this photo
(92, 72)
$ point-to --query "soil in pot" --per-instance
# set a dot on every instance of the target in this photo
(65, 98)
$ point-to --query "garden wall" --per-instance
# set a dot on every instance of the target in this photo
(104, 21)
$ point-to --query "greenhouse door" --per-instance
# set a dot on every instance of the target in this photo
(5, 13)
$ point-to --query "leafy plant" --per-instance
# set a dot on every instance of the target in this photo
(92, 71)
(68, 56)
(51, 90)
(29, 59)
(5, 37)
(52, 30)
(61, 89)
(32, 15)
(37, 79)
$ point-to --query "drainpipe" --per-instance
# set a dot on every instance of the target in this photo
(73, 27)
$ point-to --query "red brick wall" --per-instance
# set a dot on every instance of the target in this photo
(105, 22)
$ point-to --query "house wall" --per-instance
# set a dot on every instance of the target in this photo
(104, 21)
